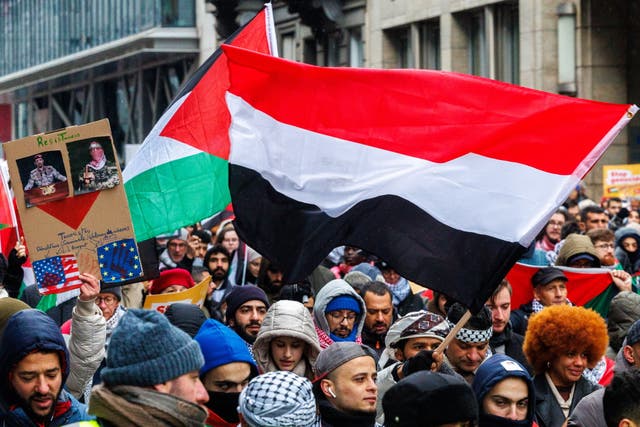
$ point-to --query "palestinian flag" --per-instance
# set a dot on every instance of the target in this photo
(180, 174)
(589, 287)
(448, 177)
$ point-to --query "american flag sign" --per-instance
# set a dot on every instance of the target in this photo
(57, 274)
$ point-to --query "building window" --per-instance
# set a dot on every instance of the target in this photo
(310, 51)
(507, 43)
(493, 41)
(356, 48)
(430, 44)
(332, 51)
(478, 56)
(289, 46)
(415, 46)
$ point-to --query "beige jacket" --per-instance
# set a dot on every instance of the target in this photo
(290, 319)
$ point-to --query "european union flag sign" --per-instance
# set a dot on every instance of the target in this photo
(119, 261)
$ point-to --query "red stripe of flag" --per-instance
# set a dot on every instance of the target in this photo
(426, 114)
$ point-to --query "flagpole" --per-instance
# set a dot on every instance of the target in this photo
(444, 344)
(244, 262)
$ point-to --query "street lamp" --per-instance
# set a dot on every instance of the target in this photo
(566, 12)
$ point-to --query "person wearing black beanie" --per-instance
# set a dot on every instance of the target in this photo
(430, 399)
(246, 308)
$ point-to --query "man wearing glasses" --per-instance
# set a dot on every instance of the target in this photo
(338, 313)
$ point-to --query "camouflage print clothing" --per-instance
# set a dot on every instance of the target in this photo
(45, 176)
(104, 177)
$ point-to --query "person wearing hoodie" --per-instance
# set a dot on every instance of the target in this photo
(228, 368)
(338, 313)
(505, 393)
(34, 366)
(628, 249)
(287, 340)
(624, 310)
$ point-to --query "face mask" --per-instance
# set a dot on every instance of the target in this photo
(225, 405)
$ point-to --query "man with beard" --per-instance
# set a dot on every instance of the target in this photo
(43, 175)
(338, 313)
(216, 261)
(270, 279)
(551, 233)
(379, 315)
(228, 368)
(34, 366)
(592, 217)
(246, 308)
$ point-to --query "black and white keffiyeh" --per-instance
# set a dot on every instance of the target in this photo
(473, 335)
(279, 398)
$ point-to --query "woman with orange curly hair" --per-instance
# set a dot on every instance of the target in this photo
(560, 343)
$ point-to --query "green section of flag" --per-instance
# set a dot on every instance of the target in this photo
(177, 193)
(47, 302)
(601, 302)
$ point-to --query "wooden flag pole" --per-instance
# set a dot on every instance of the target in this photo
(444, 344)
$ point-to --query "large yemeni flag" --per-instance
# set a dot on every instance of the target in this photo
(448, 177)
(180, 174)
(588, 287)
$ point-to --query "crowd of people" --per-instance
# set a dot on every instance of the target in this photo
(355, 344)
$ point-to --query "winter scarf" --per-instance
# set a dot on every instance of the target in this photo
(400, 291)
(137, 406)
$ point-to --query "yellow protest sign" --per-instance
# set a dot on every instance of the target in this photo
(195, 295)
(621, 180)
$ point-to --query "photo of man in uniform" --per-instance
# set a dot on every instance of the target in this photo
(43, 175)
(44, 183)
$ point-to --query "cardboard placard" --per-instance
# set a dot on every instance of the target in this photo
(195, 295)
(74, 210)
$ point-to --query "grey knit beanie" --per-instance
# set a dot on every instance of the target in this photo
(146, 350)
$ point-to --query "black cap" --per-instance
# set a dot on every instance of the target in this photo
(547, 275)
(411, 402)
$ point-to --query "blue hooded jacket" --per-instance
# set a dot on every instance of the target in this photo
(493, 370)
(30, 331)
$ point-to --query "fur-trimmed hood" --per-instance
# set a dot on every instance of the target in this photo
(289, 319)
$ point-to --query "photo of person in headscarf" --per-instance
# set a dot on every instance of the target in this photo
(99, 173)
